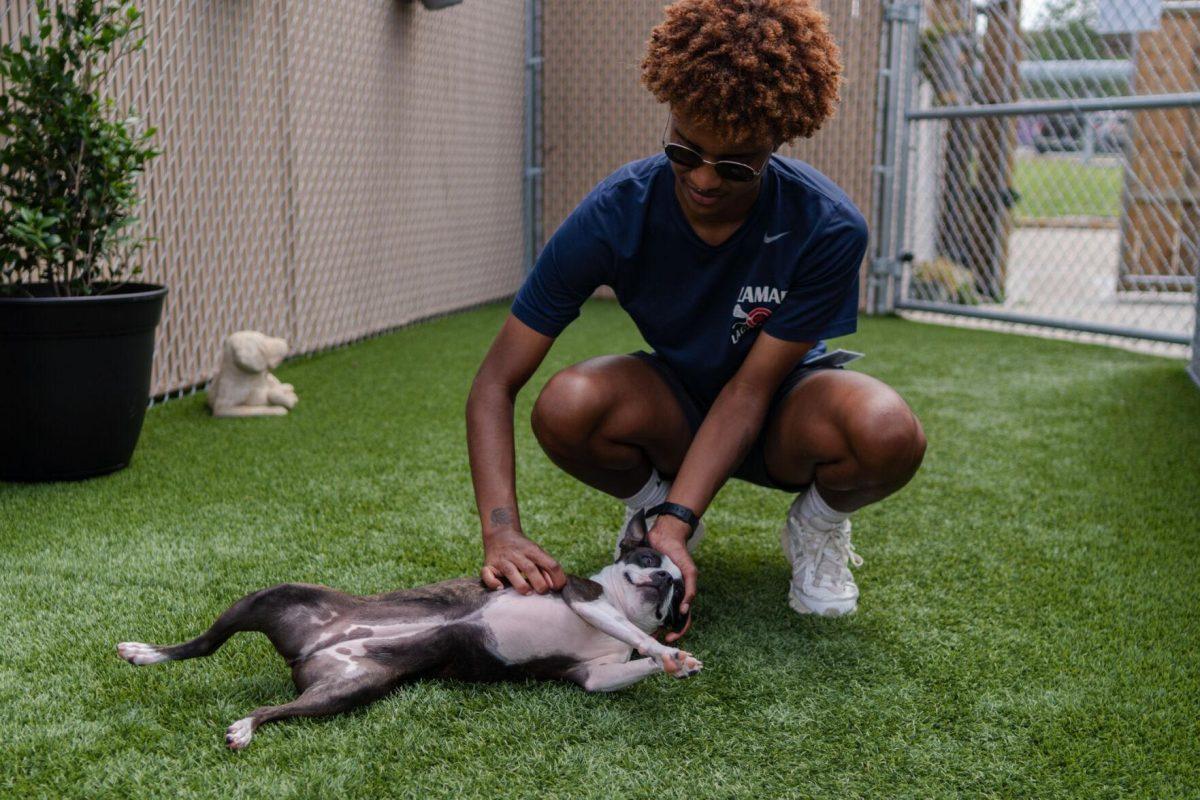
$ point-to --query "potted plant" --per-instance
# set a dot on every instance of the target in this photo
(76, 334)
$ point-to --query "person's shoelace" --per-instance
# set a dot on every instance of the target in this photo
(833, 555)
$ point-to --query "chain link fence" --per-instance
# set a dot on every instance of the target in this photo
(330, 170)
(1048, 166)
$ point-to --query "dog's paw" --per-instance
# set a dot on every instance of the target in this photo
(238, 734)
(686, 665)
(679, 663)
(139, 654)
(284, 395)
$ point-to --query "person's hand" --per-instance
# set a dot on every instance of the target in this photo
(669, 537)
(509, 554)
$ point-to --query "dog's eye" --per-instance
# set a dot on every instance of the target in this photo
(647, 560)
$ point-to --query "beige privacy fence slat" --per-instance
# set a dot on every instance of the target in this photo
(331, 169)
(407, 159)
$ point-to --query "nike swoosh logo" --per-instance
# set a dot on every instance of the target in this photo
(769, 239)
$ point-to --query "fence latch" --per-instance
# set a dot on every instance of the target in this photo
(891, 266)
(885, 266)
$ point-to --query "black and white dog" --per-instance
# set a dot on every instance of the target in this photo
(346, 651)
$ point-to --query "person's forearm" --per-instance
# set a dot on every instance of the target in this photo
(724, 439)
(490, 449)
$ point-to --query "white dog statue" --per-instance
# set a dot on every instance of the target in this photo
(243, 386)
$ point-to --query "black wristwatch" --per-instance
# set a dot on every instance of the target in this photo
(679, 512)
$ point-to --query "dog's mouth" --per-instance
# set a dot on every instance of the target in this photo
(639, 584)
(660, 587)
(673, 619)
(670, 597)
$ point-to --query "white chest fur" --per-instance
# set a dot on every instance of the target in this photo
(525, 627)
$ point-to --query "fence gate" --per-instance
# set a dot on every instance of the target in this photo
(1039, 164)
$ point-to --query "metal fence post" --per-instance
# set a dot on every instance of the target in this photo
(1194, 367)
(532, 195)
(892, 98)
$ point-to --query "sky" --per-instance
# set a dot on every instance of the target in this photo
(1030, 9)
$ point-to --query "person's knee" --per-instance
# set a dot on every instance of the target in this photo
(568, 409)
(888, 442)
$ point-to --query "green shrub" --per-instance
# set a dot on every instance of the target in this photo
(944, 281)
(69, 163)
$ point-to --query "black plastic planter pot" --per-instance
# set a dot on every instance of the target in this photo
(74, 380)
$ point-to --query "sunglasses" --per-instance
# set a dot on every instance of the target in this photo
(687, 157)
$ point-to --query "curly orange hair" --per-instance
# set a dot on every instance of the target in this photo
(746, 69)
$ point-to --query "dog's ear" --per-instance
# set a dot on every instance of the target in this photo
(275, 350)
(634, 535)
(247, 351)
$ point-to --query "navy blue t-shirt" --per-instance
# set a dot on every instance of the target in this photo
(791, 269)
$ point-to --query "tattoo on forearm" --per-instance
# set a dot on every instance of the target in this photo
(502, 515)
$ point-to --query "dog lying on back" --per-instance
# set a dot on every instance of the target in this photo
(346, 651)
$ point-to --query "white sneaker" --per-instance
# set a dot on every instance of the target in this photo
(821, 581)
(692, 541)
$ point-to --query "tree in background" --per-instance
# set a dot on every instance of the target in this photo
(1062, 31)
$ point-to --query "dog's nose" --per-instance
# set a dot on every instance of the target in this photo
(660, 578)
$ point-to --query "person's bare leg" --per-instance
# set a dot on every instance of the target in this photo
(608, 420)
(854, 441)
(851, 433)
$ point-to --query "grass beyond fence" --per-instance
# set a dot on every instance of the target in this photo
(1027, 626)
(1066, 186)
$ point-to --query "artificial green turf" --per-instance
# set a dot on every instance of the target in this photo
(1027, 627)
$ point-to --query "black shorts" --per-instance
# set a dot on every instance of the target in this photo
(754, 466)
